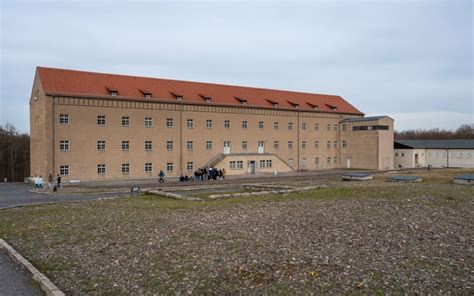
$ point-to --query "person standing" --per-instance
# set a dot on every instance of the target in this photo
(223, 173)
(50, 181)
(58, 180)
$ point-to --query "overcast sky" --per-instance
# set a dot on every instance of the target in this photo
(411, 60)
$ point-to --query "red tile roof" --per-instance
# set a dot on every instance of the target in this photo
(80, 83)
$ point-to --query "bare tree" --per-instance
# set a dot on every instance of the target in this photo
(465, 131)
(14, 154)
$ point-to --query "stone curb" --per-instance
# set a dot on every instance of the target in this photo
(46, 285)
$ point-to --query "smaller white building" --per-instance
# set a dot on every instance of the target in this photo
(437, 153)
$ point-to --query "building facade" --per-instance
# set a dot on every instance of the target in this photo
(437, 153)
(93, 126)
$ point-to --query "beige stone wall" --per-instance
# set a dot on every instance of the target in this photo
(368, 149)
(83, 132)
(277, 166)
(41, 134)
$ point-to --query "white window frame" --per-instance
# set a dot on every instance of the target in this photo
(125, 145)
(125, 121)
(64, 170)
(63, 119)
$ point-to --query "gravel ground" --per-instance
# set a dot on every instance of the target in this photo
(369, 238)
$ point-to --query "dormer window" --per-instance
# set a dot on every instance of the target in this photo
(295, 105)
(315, 107)
(274, 103)
(334, 108)
(112, 91)
(178, 96)
(147, 94)
(206, 98)
(241, 101)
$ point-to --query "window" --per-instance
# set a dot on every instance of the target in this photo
(290, 126)
(37, 120)
(290, 162)
(335, 160)
(316, 144)
(244, 145)
(459, 155)
(316, 161)
(265, 163)
(148, 122)
(335, 127)
(328, 127)
(226, 123)
(396, 154)
(269, 163)
(403, 154)
(169, 145)
(316, 127)
(63, 118)
(64, 170)
(208, 145)
(344, 127)
(190, 145)
(125, 168)
(64, 145)
(148, 167)
(344, 144)
(290, 144)
(328, 144)
(260, 124)
(468, 154)
(236, 165)
(169, 122)
(335, 144)
(125, 121)
(303, 126)
(328, 160)
(190, 123)
(451, 155)
(276, 145)
(101, 119)
(303, 144)
(190, 165)
(125, 145)
(245, 124)
(208, 123)
(101, 145)
(303, 162)
(148, 145)
(275, 125)
(101, 169)
(169, 166)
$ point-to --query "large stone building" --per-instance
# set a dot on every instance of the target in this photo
(92, 126)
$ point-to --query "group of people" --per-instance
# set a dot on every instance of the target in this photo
(210, 174)
(199, 175)
(39, 182)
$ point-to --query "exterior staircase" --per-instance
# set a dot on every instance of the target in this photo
(214, 160)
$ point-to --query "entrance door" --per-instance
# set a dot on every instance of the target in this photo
(348, 162)
(226, 147)
(416, 159)
(261, 147)
(251, 166)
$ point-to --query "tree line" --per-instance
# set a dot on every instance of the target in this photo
(14, 154)
(465, 131)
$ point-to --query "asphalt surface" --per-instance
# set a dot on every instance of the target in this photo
(14, 280)
(19, 194)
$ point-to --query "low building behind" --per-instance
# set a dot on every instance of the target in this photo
(437, 153)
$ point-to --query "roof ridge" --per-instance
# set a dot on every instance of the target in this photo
(190, 81)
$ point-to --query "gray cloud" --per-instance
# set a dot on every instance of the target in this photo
(407, 59)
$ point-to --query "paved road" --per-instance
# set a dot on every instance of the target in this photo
(14, 280)
(17, 194)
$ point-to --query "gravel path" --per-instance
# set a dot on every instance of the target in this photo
(353, 238)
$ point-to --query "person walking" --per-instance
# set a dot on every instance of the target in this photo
(223, 173)
(162, 176)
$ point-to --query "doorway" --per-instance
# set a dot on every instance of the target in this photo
(261, 147)
(251, 167)
(226, 147)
